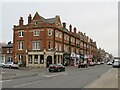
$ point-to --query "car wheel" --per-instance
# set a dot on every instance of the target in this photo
(10, 67)
(3, 66)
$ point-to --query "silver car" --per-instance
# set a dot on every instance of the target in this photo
(10, 65)
(116, 64)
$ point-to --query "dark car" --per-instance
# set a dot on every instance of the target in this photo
(56, 68)
(82, 65)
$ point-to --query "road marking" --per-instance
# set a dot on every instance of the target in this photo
(27, 84)
(5, 80)
(57, 74)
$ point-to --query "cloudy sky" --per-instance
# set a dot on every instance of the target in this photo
(99, 20)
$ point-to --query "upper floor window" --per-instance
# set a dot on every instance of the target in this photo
(20, 33)
(56, 46)
(36, 33)
(65, 37)
(8, 50)
(49, 32)
(49, 45)
(56, 34)
(36, 45)
(60, 35)
(68, 38)
(20, 45)
(60, 47)
(20, 58)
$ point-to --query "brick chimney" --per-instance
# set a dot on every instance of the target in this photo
(64, 25)
(21, 21)
(70, 27)
(29, 18)
(74, 30)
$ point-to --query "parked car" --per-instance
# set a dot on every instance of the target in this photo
(91, 63)
(82, 64)
(109, 63)
(116, 64)
(10, 65)
(56, 68)
(98, 63)
(102, 62)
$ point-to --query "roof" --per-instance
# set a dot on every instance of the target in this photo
(8, 46)
(49, 20)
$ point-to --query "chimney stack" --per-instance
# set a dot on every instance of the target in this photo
(21, 21)
(74, 30)
(64, 25)
(70, 27)
(29, 18)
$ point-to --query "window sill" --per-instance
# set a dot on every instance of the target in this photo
(20, 36)
(20, 49)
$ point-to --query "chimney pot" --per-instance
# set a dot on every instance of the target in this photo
(70, 27)
(64, 25)
(21, 21)
(29, 18)
(74, 30)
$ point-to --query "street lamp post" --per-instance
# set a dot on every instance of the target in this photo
(26, 52)
(45, 62)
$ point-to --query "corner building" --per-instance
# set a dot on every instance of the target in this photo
(45, 41)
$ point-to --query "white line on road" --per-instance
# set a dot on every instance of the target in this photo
(27, 84)
(55, 75)
(5, 80)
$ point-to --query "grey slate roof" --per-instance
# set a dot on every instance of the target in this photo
(8, 46)
(49, 20)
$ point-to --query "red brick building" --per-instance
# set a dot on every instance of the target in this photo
(7, 52)
(46, 41)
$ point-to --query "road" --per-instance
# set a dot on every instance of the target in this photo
(73, 77)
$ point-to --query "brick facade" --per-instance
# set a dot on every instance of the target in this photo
(44, 41)
(7, 52)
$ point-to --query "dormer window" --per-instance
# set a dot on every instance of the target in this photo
(20, 33)
(36, 23)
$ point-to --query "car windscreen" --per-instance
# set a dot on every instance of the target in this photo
(116, 62)
(8, 62)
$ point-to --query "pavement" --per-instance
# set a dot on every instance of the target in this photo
(107, 80)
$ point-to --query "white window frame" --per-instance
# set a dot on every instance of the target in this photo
(35, 45)
(56, 33)
(49, 32)
(68, 38)
(49, 43)
(36, 33)
(20, 45)
(60, 48)
(8, 51)
(56, 46)
(60, 34)
(20, 33)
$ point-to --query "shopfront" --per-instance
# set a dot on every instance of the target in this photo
(66, 59)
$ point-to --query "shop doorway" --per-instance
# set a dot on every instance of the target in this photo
(49, 60)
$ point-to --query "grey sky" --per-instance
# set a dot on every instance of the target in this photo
(99, 20)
